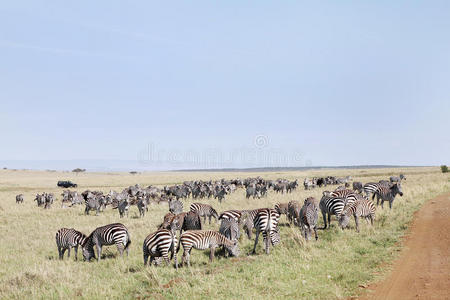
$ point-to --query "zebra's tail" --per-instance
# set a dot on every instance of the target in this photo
(128, 241)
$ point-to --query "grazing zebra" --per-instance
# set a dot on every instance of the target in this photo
(281, 208)
(388, 193)
(115, 233)
(66, 239)
(293, 212)
(266, 221)
(358, 186)
(361, 208)
(230, 229)
(158, 244)
(341, 193)
(201, 240)
(330, 205)
(19, 198)
(204, 210)
(308, 217)
(142, 206)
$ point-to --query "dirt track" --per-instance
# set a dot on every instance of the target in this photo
(423, 269)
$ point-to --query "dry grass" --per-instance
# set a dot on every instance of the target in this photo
(333, 267)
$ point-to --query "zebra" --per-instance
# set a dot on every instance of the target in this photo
(308, 217)
(293, 212)
(66, 239)
(393, 179)
(358, 186)
(388, 193)
(142, 206)
(250, 221)
(330, 205)
(175, 206)
(94, 203)
(124, 207)
(361, 208)
(371, 187)
(115, 233)
(281, 208)
(204, 210)
(230, 229)
(230, 214)
(201, 240)
(158, 244)
(266, 221)
(19, 198)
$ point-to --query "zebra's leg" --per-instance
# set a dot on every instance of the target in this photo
(382, 201)
(324, 220)
(329, 219)
(371, 219)
(121, 248)
(76, 252)
(209, 219)
(256, 241)
(165, 255)
(390, 203)
(146, 258)
(68, 252)
(211, 253)
(357, 223)
(99, 252)
(268, 242)
(315, 232)
(61, 253)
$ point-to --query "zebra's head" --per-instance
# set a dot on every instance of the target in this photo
(343, 220)
(88, 249)
(233, 250)
(396, 188)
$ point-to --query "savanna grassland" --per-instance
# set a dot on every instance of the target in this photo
(333, 267)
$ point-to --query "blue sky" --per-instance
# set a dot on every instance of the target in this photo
(323, 82)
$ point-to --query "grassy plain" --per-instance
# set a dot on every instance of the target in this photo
(333, 267)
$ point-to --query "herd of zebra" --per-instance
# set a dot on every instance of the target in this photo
(342, 202)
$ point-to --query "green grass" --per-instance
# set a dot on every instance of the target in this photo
(332, 267)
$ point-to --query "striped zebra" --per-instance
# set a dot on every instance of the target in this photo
(388, 193)
(361, 208)
(230, 229)
(107, 235)
(266, 221)
(371, 187)
(293, 212)
(159, 244)
(282, 208)
(67, 238)
(230, 214)
(330, 205)
(308, 217)
(250, 221)
(204, 210)
(201, 240)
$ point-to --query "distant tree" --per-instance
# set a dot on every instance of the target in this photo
(78, 170)
(133, 172)
(444, 169)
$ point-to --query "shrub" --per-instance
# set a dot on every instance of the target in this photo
(444, 169)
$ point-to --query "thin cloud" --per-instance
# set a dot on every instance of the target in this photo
(63, 51)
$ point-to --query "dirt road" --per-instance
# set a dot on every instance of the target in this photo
(423, 269)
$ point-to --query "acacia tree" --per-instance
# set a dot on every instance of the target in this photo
(78, 170)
